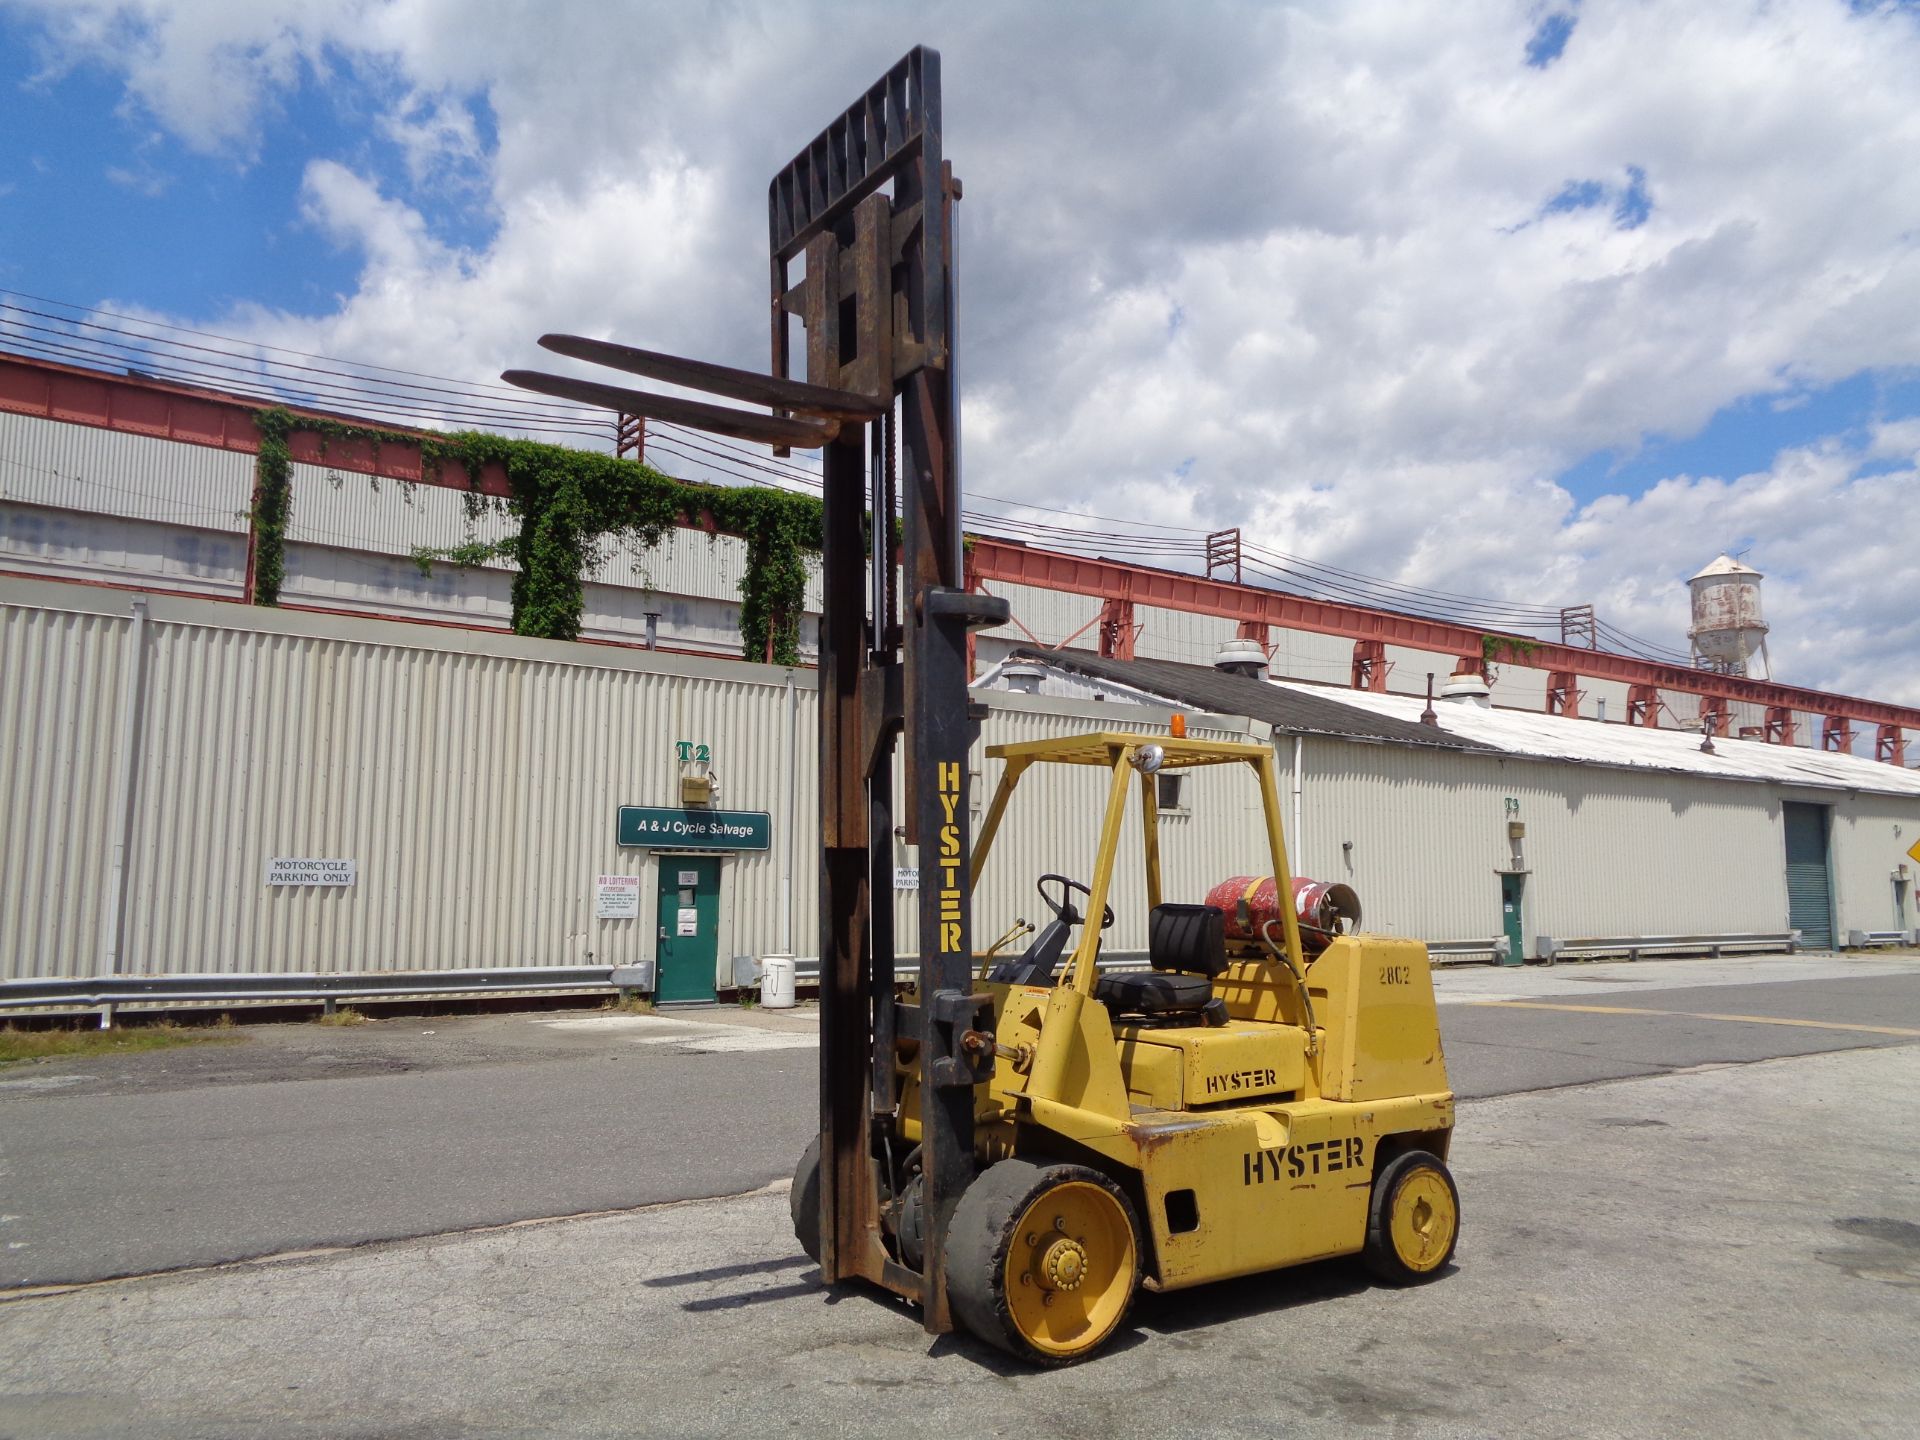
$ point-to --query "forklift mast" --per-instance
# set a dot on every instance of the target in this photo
(866, 210)
(878, 301)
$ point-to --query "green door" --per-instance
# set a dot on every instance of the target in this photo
(688, 947)
(1809, 893)
(1511, 889)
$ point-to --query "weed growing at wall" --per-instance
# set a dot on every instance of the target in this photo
(272, 504)
(571, 507)
(1510, 648)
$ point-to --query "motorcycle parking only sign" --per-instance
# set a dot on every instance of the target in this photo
(311, 872)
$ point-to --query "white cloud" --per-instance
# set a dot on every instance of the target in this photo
(142, 180)
(437, 137)
(1386, 345)
(205, 69)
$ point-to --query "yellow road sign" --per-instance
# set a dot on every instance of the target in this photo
(1913, 852)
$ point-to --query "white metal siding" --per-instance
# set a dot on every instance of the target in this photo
(73, 544)
(60, 702)
(1610, 853)
(474, 779)
(141, 477)
(1869, 838)
(477, 792)
(388, 517)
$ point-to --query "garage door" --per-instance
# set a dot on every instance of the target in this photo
(1809, 899)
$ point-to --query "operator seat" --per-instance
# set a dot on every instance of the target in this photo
(1187, 947)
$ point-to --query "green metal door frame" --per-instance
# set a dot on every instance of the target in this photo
(685, 965)
(1812, 813)
(1513, 891)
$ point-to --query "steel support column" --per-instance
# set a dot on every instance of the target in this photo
(1563, 692)
(1370, 665)
(1890, 745)
(1117, 629)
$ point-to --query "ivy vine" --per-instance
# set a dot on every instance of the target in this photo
(272, 503)
(1513, 648)
(572, 506)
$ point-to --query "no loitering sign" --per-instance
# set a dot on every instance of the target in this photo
(283, 871)
(616, 897)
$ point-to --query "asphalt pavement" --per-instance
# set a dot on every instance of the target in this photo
(1720, 1251)
(302, 1136)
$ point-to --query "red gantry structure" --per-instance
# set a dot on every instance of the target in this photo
(141, 405)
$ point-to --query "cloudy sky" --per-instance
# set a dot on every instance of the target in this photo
(1550, 302)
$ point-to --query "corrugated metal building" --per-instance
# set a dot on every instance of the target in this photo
(1629, 834)
(160, 752)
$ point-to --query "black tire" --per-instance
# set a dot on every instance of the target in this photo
(803, 1201)
(986, 1227)
(1422, 1248)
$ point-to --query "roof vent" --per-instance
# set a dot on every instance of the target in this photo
(1023, 679)
(1468, 687)
(1242, 657)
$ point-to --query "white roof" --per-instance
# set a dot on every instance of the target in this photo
(1632, 747)
(1725, 565)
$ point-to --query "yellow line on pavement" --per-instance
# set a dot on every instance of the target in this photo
(1695, 1015)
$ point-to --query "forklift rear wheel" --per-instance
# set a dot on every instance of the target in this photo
(1413, 1221)
(803, 1201)
(1042, 1261)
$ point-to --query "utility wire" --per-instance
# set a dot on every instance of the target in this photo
(422, 399)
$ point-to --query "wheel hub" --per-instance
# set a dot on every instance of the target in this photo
(1064, 1266)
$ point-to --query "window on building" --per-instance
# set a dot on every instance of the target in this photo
(1171, 793)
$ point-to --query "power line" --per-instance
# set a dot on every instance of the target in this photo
(511, 390)
(484, 405)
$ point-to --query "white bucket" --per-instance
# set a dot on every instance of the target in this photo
(776, 982)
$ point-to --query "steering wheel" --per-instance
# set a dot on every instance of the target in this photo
(1063, 908)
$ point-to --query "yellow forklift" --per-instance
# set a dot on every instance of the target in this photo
(1248, 1102)
(1018, 1151)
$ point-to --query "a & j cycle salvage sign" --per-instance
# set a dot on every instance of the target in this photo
(664, 828)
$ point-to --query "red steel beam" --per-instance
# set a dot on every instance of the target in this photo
(1010, 563)
(136, 405)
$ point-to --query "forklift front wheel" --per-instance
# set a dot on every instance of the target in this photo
(1042, 1261)
(803, 1201)
(1413, 1221)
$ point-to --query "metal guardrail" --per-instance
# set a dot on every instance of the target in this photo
(1455, 952)
(103, 992)
(1866, 939)
(1634, 946)
(98, 992)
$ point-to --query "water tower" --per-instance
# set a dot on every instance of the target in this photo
(1727, 630)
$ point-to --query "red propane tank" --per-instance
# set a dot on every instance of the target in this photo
(1325, 908)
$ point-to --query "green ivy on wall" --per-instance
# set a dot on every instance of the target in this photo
(272, 504)
(571, 505)
(1512, 648)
